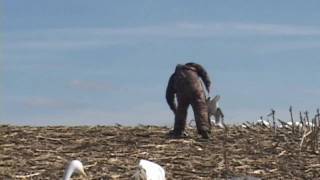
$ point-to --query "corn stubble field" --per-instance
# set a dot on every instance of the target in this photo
(113, 152)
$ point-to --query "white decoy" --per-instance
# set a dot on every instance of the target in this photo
(297, 124)
(218, 123)
(150, 171)
(74, 166)
(215, 111)
(309, 124)
(262, 122)
(244, 125)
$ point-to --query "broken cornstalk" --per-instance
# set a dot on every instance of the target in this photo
(273, 112)
(307, 119)
(290, 109)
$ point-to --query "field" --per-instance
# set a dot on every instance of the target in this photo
(113, 152)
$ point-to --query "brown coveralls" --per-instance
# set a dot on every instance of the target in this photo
(186, 85)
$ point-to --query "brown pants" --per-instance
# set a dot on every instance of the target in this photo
(200, 109)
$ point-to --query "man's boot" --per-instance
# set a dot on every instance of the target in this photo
(204, 134)
(177, 134)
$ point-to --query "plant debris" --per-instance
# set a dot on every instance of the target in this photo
(113, 152)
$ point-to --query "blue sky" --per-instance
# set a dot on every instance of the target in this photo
(102, 62)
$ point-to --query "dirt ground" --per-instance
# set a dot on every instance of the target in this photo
(113, 152)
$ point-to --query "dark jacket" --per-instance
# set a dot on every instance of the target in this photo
(185, 81)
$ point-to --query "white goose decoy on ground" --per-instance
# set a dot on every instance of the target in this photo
(297, 124)
(262, 122)
(149, 171)
(215, 111)
(74, 166)
(309, 124)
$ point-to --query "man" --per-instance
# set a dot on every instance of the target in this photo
(185, 84)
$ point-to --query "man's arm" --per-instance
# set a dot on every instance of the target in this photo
(170, 94)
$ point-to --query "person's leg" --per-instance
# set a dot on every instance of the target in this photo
(200, 110)
(181, 115)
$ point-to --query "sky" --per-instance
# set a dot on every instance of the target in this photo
(104, 62)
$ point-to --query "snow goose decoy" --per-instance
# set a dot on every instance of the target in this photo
(215, 111)
(149, 171)
(262, 122)
(74, 166)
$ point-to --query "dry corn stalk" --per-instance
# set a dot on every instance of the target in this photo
(305, 136)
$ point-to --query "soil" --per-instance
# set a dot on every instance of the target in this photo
(113, 152)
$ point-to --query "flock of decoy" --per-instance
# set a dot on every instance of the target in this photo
(146, 170)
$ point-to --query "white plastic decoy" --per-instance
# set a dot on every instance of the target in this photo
(153, 171)
(262, 122)
(74, 166)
